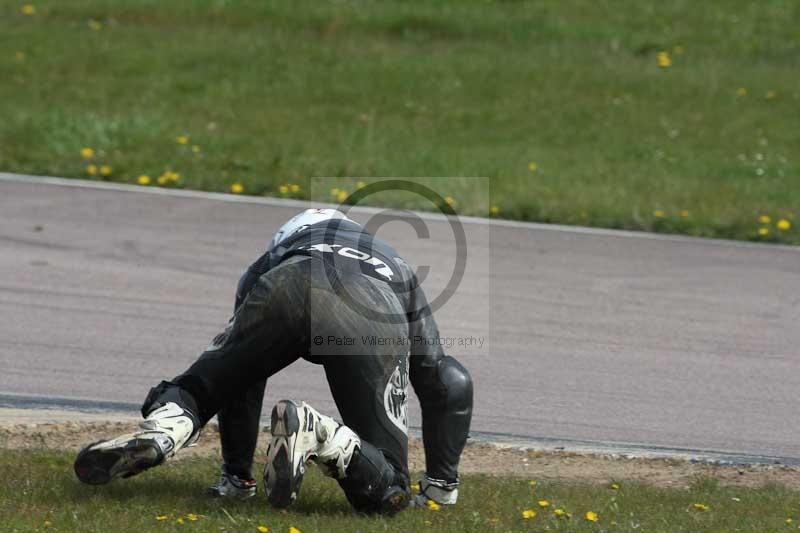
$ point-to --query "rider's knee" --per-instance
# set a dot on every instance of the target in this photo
(373, 485)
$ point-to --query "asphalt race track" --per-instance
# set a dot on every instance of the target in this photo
(590, 337)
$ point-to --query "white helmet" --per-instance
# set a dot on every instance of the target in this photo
(307, 218)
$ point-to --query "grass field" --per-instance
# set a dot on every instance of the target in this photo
(39, 492)
(668, 116)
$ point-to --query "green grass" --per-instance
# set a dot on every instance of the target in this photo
(275, 93)
(38, 491)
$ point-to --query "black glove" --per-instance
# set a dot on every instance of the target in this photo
(231, 486)
(437, 491)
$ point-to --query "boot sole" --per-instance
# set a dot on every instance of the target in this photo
(100, 466)
(282, 484)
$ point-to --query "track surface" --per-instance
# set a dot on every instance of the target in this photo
(589, 335)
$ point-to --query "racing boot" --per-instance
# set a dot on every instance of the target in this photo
(301, 434)
(165, 431)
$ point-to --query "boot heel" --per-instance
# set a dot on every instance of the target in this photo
(284, 420)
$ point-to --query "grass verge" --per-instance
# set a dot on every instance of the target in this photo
(39, 492)
(663, 116)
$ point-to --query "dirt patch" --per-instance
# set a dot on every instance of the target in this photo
(35, 429)
(566, 466)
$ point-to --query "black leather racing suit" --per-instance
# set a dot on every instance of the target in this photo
(329, 278)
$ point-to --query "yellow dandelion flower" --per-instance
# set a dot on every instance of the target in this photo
(415, 487)
(659, 213)
(263, 529)
(28, 9)
(543, 503)
(559, 512)
(615, 486)
(433, 506)
(770, 95)
(19, 56)
(360, 185)
(684, 213)
(527, 514)
(532, 166)
(450, 200)
(700, 506)
(106, 171)
(87, 153)
(294, 530)
(163, 179)
(342, 196)
(784, 225)
(179, 521)
(295, 188)
(193, 517)
(591, 516)
(494, 211)
(182, 139)
(195, 149)
(94, 25)
(162, 517)
(789, 521)
(741, 91)
(237, 188)
(91, 170)
(532, 483)
(47, 523)
(664, 60)
(283, 189)
(335, 191)
(144, 179)
(172, 176)
(764, 219)
(763, 232)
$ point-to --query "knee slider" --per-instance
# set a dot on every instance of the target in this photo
(457, 382)
(372, 485)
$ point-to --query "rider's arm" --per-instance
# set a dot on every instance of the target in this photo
(444, 388)
(239, 421)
